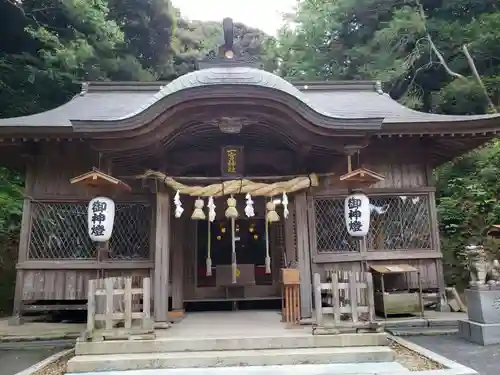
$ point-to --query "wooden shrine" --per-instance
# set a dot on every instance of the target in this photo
(185, 152)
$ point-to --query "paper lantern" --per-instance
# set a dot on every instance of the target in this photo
(357, 214)
(101, 218)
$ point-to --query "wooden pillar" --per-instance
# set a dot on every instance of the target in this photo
(162, 254)
(436, 245)
(24, 243)
(178, 265)
(303, 255)
(290, 246)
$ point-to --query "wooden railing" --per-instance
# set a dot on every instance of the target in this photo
(349, 301)
(116, 318)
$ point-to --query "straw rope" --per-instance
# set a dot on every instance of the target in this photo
(242, 186)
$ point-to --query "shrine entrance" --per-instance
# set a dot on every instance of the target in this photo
(250, 249)
(255, 287)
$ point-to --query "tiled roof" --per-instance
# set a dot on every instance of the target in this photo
(105, 101)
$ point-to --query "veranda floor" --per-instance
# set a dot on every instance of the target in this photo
(248, 323)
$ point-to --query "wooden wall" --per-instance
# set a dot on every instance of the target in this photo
(48, 175)
(406, 171)
(54, 165)
(69, 284)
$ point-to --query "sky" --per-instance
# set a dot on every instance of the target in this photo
(262, 14)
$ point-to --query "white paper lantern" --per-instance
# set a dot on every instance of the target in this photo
(357, 214)
(101, 218)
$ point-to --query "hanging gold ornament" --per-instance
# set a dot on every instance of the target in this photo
(198, 213)
(272, 216)
(209, 248)
(231, 211)
(234, 265)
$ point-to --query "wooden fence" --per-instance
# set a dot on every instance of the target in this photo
(117, 317)
(345, 302)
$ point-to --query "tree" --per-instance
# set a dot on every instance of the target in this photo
(415, 47)
(149, 28)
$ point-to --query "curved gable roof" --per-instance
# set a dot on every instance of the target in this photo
(352, 103)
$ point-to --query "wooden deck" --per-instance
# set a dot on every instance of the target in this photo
(249, 323)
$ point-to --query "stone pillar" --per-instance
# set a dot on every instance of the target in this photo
(162, 261)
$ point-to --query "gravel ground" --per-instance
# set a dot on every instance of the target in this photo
(57, 368)
(13, 361)
(413, 361)
(483, 359)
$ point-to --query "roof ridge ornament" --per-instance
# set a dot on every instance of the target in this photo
(227, 55)
(378, 87)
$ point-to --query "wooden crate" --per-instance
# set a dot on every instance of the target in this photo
(290, 276)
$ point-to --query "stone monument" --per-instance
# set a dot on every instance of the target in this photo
(483, 299)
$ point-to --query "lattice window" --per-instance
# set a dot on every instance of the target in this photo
(331, 232)
(59, 231)
(399, 223)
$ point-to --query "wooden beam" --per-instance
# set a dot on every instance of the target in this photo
(376, 255)
(84, 265)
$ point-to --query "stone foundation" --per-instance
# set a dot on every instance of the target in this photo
(479, 333)
(483, 325)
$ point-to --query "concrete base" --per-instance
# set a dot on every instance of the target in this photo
(369, 368)
(479, 333)
(162, 325)
(163, 345)
(483, 305)
(266, 357)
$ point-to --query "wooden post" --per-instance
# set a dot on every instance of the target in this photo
(353, 296)
(318, 306)
(304, 255)
(178, 265)
(335, 298)
(127, 299)
(24, 243)
(370, 298)
(146, 304)
(436, 245)
(91, 306)
(290, 246)
(109, 285)
(162, 261)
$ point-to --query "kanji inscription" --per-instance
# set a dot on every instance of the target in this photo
(98, 218)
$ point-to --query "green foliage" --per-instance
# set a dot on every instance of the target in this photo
(10, 220)
(468, 205)
(388, 40)
(461, 97)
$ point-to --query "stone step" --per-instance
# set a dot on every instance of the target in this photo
(264, 357)
(164, 345)
(423, 331)
(364, 368)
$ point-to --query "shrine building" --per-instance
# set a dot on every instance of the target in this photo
(212, 133)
